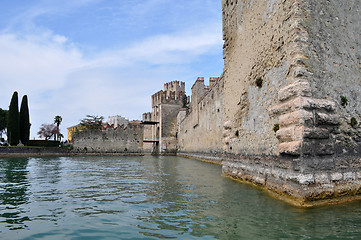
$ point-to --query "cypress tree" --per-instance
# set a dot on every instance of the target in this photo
(13, 121)
(24, 120)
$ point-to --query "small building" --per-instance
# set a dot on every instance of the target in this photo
(117, 120)
(72, 130)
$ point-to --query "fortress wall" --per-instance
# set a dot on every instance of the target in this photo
(334, 59)
(315, 154)
(201, 130)
(255, 47)
(110, 140)
(168, 127)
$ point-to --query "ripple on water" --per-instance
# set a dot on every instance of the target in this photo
(151, 198)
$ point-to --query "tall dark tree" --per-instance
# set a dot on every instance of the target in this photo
(13, 121)
(24, 120)
(3, 121)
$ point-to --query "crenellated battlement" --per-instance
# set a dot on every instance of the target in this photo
(173, 94)
(199, 89)
(174, 86)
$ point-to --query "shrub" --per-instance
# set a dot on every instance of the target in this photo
(353, 122)
(276, 127)
(43, 143)
(259, 82)
(344, 101)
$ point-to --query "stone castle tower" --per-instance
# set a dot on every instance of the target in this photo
(162, 121)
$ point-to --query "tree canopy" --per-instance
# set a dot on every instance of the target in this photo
(91, 122)
(57, 120)
(48, 130)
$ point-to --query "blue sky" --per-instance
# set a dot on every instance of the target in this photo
(103, 57)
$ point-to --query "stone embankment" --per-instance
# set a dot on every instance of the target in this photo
(63, 151)
(33, 151)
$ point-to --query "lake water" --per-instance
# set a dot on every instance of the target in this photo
(151, 198)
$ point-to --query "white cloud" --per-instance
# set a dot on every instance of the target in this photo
(61, 79)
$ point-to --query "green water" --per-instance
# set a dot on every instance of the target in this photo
(151, 198)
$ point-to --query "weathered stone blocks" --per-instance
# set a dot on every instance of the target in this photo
(291, 148)
(327, 119)
(299, 88)
(298, 118)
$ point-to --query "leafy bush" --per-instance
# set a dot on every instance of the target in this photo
(344, 101)
(259, 82)
(353, 122)
(276, 127)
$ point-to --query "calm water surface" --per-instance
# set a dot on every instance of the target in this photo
(151, 198)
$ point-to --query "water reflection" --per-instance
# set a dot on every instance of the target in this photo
(151, 198)
(13, 192)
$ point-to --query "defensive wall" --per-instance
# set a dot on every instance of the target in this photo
(289, 91)
(307, 54)
(200, 127)
(120, 140)
(33, 151)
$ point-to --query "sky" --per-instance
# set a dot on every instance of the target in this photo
(103, 57)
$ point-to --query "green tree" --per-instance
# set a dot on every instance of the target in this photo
(57, 120)
(3, 121)
(13, 121)
(24, 121)
(91, 122)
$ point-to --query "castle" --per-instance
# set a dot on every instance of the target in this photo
(285, 113)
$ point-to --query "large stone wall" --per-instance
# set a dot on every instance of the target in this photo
(307, 54)
(200, 131)
(168, 127)
(255, 48)
(277, 107)
(120, 140)
(333, 51)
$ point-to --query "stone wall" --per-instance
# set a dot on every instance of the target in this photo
(255, 50)
(307, 55)
(333, 51)
(168, 127)
(120, 140)
(200, 131)
(33, 151)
